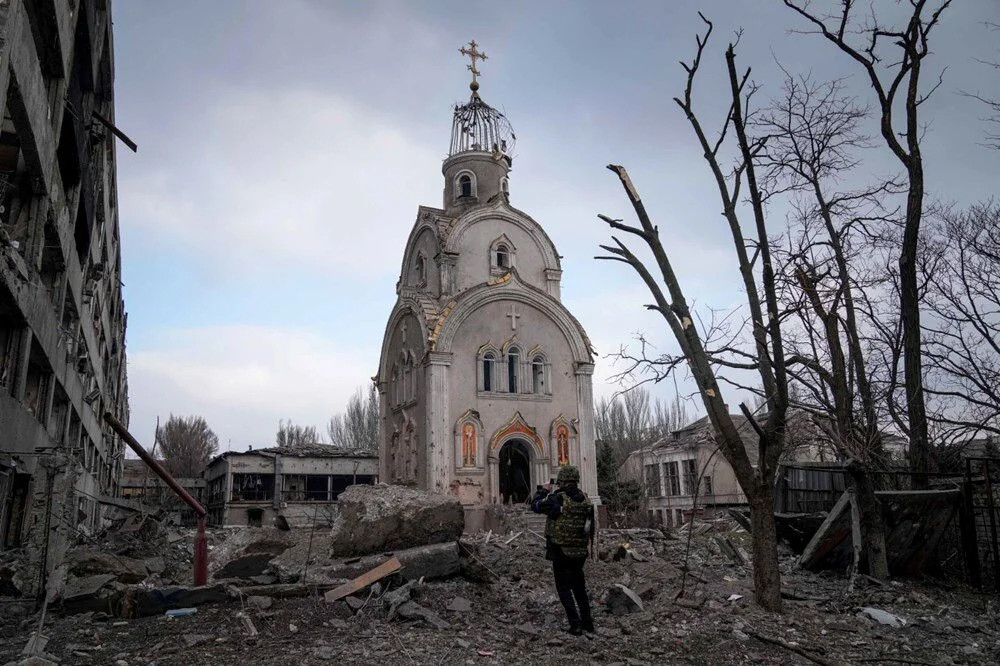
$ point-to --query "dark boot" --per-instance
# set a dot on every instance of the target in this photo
(587, 624)
(575, 627)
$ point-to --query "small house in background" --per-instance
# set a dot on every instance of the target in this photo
(140, 484)
(688, 465)
(299, 483)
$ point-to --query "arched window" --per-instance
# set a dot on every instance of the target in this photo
(538, 375)
(503, 256)
(421, 269)
(513, 360)
(489, 360)
(394, 386)
(465, 185)
(504, 187)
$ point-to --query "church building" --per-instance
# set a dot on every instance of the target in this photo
(485, 376)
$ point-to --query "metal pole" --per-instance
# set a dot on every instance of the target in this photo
(200, 543)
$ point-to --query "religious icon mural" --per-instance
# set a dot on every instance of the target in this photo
(562, 444)
(469, 445)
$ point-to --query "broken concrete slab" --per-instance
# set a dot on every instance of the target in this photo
(384, 517)
(432, 562)
(410, 610)
(157, 601)
(82, 563)
(884, 617)
(620, 600)
(260, 602)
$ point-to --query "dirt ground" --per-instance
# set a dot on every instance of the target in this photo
(515, 618)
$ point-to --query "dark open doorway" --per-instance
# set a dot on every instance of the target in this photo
(515, 472)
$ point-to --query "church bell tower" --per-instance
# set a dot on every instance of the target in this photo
(482, 142)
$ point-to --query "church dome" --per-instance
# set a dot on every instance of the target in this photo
(478, 127)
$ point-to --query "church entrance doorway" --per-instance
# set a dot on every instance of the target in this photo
(515, 472)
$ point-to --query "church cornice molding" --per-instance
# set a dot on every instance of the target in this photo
(509, 287)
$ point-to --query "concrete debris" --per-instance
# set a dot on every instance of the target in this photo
(410, 610)
(510, 609)
(259, 602)
(884, 617)
(83, 563)
(191, 640)
(248, 624)
(459, 605)
(384, 517)
(620, 600)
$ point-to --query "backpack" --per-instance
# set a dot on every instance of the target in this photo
(573, 530)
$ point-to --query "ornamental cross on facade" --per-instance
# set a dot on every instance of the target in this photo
(473, 55)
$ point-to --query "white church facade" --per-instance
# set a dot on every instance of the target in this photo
(484, 377)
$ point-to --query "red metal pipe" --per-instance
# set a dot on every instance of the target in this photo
(200, 543)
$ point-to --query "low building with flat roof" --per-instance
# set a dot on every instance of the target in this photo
(299, 483)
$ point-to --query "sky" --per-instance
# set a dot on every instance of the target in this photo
(284, 148)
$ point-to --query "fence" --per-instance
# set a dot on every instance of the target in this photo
(970, 547)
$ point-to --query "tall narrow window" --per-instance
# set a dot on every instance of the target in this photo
(465, 186)
(513, 359)
(538, 375)
(503, 256)
(421, 269)
(488, 362)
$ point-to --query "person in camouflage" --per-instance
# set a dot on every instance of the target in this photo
(569, 530)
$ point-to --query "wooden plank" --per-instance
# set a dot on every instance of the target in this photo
(387, 568)
(817, 541)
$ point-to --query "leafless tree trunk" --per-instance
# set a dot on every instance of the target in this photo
(813, 135)
(767, 355)
(902, 78)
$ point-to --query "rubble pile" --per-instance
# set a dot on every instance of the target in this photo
(659, 597)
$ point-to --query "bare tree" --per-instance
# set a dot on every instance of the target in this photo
(186, 444)
(896, 86)
(813, 135)
(766, 354)
(290, 434)
(357, 428)
(962, 331)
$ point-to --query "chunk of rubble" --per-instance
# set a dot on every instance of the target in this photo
(620, 600)
(83, 563)
(884, 617)
(411, 610)
(384, 517)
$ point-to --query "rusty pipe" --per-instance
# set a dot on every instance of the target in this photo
(200, 545)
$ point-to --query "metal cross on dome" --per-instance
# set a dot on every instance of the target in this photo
(473, 55)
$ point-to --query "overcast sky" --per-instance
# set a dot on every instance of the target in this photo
(284, 148)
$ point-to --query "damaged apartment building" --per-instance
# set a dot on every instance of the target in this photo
(294, 485)
(62, 317)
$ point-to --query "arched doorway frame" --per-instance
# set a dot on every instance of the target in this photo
(517, 428)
